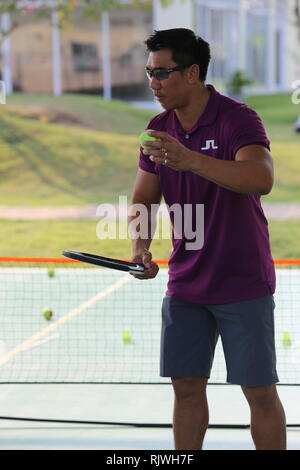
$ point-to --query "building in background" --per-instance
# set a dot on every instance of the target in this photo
(259, 37)
(81, 61)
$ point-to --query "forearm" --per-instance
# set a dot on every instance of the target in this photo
(141, 228)
(246, 176)
(139, 245)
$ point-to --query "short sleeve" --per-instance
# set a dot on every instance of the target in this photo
(247, 129)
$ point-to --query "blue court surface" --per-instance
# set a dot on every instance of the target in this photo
(97, 360)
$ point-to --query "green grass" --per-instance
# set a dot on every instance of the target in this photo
(286, 187)
(278, 114)
(49, 238)
(48, 164)
(52, 164)
(284, 237)
(108, 116)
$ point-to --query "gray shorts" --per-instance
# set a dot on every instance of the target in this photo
(190, 332)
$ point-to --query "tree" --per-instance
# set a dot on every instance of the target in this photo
(237, 81)
(65, 9)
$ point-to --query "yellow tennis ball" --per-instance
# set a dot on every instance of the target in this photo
(144, 136)
(127, 338)
(47, 314)
(286, 339)
(51, 272)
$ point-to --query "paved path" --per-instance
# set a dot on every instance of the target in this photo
(273, 211)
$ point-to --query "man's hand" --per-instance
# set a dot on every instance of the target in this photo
(169, 151)
(151, 268)
(251, 172)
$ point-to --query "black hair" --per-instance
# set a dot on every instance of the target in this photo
(186, 47)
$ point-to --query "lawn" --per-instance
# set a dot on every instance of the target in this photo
(44, 163)
(279, 115)
(109, 116)
(47, 161)
(50, 237)
(50, 164)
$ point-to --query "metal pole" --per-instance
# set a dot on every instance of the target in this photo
(106, 66)
(155, 14)
(271, 47)
(6, 54)
(242, 28)
(56, 57)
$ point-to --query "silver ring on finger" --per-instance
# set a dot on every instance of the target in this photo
(165, 154)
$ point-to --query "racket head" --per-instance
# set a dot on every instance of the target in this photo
(112, 263)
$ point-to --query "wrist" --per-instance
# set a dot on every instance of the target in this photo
(138, 249)
(194, 161)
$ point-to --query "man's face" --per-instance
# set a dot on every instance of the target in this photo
(172, 91)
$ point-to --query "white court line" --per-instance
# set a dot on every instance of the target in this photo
(73, 313)
(43, 341)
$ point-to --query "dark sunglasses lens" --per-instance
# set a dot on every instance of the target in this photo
(161, 74)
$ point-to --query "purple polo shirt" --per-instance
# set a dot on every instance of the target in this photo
(235, 262)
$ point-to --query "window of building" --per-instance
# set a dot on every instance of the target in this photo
(85, 57)
(233, 48)
(256, 47)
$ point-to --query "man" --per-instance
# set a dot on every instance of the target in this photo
(211, 150)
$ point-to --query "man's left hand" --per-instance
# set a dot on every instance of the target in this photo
(169, 151)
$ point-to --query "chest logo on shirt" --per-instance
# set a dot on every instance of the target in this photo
(210, 144)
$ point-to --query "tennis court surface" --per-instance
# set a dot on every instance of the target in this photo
(96, 360)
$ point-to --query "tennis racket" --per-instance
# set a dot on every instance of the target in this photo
(119, 265)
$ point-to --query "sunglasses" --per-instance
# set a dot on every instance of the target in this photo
(160, 73)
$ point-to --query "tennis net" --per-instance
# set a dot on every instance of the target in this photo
(64, 322)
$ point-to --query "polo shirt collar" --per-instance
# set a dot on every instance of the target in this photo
(207, 118)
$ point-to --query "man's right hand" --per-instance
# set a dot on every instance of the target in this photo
(151, 268)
